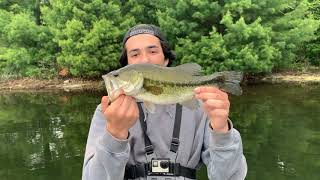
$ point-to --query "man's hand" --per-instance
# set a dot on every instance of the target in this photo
(121, 115)
(216, 104)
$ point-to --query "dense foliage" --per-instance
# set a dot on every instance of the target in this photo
(41, 37)
(313, 48)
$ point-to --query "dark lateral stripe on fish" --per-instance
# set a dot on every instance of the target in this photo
(182, 84)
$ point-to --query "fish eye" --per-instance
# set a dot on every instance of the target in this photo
(115, 75)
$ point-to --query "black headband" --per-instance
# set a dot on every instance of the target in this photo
(144, 29)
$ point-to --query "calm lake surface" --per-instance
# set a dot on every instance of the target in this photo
(43, 135)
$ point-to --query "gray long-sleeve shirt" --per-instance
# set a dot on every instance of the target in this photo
(222, 153)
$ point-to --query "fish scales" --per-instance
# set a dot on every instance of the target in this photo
(156, 84)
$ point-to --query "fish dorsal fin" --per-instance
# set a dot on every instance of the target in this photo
(190, 68)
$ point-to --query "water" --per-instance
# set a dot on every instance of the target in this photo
(43, 135)
(280, 126)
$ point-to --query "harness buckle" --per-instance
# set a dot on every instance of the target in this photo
(174, 144)
(149, 149)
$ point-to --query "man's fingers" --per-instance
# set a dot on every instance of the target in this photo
(216, 104)
(210, 89)
(202, 89)
(133, 109)
(206, 96)
(117, 102)
(125, 105)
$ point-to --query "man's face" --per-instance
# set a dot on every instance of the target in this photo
(145, 48)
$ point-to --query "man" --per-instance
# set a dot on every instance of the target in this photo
(127, 142)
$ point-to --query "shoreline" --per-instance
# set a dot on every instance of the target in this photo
(65, 85)
(77, 84)
(301, 78)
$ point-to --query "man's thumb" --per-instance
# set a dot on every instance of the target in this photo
(104, 103)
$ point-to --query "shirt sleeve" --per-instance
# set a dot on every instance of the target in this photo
(105, 156)
(223, 154)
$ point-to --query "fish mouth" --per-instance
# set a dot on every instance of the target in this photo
(113, 88)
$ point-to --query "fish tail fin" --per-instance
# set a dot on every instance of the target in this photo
(232, 88)
(229, 81)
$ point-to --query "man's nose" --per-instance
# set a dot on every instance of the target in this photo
(144, 58)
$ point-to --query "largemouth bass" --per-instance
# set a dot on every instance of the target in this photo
(154, 84)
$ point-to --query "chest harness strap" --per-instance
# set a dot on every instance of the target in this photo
(145, 169)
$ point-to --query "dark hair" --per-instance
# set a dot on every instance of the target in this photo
(147, 29)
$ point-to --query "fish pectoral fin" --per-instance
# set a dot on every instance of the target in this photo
(190, 68)
(150, 106)
(191, 104)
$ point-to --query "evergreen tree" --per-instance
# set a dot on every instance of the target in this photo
(25, 45)
(41, 37)
(25, 49)
(249, 35)
(313, 47)
(88, 34)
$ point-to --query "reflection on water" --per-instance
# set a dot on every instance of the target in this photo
(280, 130)
(43, 135)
